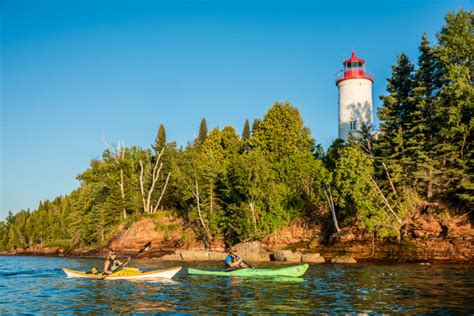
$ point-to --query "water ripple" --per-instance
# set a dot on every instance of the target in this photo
(37, 285)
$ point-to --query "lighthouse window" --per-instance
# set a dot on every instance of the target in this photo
(352, 125)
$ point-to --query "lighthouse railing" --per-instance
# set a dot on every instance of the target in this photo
(354, 73)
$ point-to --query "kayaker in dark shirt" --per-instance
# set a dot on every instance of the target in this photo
(111, 263)
(232, 261)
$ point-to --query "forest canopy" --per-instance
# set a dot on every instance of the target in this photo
(245, 186)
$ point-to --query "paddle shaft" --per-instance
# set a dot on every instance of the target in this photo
(238, 258)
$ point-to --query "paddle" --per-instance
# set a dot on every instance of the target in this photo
(238, 258)
(142, 249)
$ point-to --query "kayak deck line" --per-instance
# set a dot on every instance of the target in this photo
(126, 274)
(291, 271)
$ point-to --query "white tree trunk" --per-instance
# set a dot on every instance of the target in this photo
(148, 192)
(332, 209)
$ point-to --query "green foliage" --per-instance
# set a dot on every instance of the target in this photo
(160, 140)
(246, 136)
(202, 132)
(252, 196)
(3, 236)
(246, 188)
(420, 128)
(255, 125)
(397, 108)
(354, 190)
(426, 121)
(454, 107)
(246, 131)
(282, 133)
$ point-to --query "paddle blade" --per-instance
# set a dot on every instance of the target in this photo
(146, 247)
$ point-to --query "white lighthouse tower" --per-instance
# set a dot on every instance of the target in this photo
(355, 97)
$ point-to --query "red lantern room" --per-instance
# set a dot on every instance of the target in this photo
(354, 68)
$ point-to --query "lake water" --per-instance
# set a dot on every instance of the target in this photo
(38, 285)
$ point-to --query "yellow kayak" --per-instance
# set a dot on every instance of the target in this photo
(126, 273)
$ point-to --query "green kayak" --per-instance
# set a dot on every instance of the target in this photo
(293, 271)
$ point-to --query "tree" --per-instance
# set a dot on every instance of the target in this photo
(246, 131)
(246, 136)
(3, 236)
(394, 116)
(253, 198)
(420, 128)
(195, 173)
(454, 108)
(202, 132)
(255, 125)
(282, 133)
(356, 195)
(160, 140)
(150, 171)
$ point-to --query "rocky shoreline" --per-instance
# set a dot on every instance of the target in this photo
(425, 242)
(454, 251)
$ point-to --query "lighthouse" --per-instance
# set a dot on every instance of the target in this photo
(355, 97)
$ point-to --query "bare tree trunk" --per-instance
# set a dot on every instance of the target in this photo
(162, 193)
(389, 179)
(254, 218)
(331, 207)
(211, 204)
(206, 231)
(147, 193)
(122, 192)
(376, 188)
(119, 155)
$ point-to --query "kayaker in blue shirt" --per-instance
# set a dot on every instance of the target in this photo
(232, 261)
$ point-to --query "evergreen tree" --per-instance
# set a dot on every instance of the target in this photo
(3, 236)
(255, 125)
(420, 128)
(454, 108)
(246, 131)
(160, 140)
(202, 132)
(394, 116)
(246, 136)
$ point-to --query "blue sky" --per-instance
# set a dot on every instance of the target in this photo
(76, 72)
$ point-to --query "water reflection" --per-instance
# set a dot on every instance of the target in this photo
(38, 286)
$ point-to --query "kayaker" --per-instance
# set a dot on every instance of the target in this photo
(232, 261)
(111, 263)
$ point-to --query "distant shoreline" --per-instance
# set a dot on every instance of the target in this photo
(327, 258)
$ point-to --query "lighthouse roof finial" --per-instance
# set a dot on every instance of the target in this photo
(354, 58)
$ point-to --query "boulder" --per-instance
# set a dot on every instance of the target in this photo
(252, 251)
(281, 255)
(344, 259)
(312, 258)
(293, 257)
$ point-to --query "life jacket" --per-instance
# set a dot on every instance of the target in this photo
(113, 265)
(230, 258)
